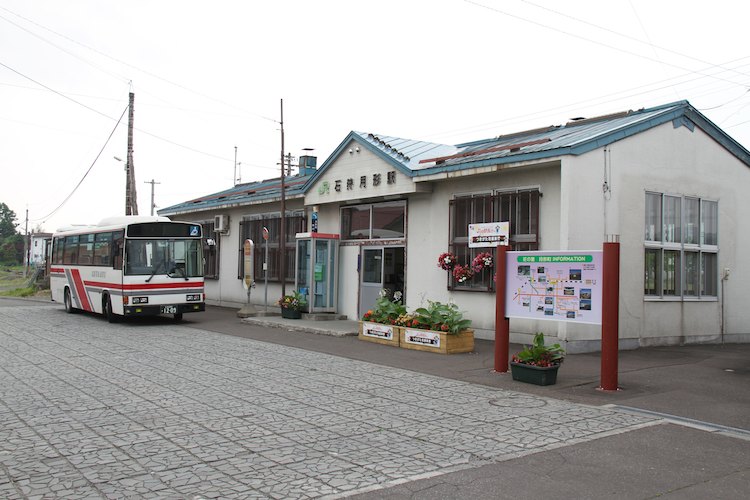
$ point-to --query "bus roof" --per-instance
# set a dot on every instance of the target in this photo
(117, 221)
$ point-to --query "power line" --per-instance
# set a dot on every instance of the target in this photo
(590, 40)
(119, 61)
(598, 100)
(632, 38)
(44, 219)
(110, 118)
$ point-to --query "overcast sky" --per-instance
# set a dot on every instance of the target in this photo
(209, 77)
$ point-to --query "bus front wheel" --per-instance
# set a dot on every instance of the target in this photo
(68, 302)
(107, 310)
(178, 316)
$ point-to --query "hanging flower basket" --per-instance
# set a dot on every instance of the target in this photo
(482, 261)
(447, 261)
(462, 274)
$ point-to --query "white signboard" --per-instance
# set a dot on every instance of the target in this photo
(559, 286)
(489, 234)
(377, 331)
(422, 337)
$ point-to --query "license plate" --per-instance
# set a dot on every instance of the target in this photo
(169, 309)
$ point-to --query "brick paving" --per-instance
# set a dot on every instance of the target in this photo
(145, 410)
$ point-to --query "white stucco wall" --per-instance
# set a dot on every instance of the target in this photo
(228, 291)
(672, 161)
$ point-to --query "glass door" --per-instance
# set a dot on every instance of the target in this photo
(381, 268)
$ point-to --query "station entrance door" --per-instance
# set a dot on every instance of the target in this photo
(381, 268)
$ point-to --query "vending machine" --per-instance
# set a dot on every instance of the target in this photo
(316, 270)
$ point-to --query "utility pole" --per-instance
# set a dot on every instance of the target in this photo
(27, 244)
(234, 179)
(152, 182)
(131, 199)
(282, 228)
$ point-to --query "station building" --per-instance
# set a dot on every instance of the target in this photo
(377, 213)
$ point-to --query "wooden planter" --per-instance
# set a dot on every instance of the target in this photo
(379, 333)
(539, 375)
(434, 341)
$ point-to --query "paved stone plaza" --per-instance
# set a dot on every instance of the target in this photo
(157, 410)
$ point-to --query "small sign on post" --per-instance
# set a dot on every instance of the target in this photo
(247, 255)
(248, 278)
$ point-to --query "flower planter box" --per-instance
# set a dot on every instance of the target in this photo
(290, 313)
(379, 333)
(434, 341)
(539, 375)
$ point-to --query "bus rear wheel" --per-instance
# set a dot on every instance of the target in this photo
(107, 310)
(68, 302)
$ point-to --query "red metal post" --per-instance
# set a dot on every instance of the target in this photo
(502, 323)
(610, 315)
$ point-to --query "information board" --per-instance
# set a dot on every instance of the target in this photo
(559, 286)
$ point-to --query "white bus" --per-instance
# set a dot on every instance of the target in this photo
(129, 266)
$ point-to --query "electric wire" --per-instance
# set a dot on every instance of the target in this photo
(632, 38)
(44, 219)
(590, 40)
(153, 75)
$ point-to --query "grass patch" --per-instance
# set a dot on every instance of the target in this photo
(20, 292)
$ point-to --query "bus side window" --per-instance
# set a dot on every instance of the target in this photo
(71, 250)
(103, 249)
(117, 249)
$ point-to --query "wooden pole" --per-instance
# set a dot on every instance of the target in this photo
(282, 227)
(610, 315)
(502, 323)
(131, 200)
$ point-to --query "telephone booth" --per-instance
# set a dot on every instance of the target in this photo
(315, 274)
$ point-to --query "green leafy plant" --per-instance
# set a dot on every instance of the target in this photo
(441, 317)
(387, 310)
(538, 354)
(294, 301)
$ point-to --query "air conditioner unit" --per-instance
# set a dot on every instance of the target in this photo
(221, 224)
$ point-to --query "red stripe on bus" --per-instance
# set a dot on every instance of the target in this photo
(158, 286)
(56, 270)
(78, 283)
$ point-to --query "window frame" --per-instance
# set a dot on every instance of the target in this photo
(251, 226)
(667, 247)
(458, 243)
(371, 208)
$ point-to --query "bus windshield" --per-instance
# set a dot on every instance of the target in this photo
(175, 258)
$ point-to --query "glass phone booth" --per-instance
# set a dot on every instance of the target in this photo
(315, 274)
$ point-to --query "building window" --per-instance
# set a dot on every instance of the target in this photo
(520, 208)
(252, 228)
(211, 252)
(681, 247)
(374, 221)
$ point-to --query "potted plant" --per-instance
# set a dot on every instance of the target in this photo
(380, 324)
(437, 328)
(292, 305)
(537, 363)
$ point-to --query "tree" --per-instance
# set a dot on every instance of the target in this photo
(7, 222)
(11, 242)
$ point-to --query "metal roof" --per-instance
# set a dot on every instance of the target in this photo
(421, 158)
(577, 137)
(242, 195)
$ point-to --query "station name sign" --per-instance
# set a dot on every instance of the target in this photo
(373, 180)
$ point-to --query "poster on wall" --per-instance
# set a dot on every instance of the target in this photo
(558, 286)
(488, 234)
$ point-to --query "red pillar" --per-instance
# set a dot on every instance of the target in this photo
(502, 323)
(610, 315)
